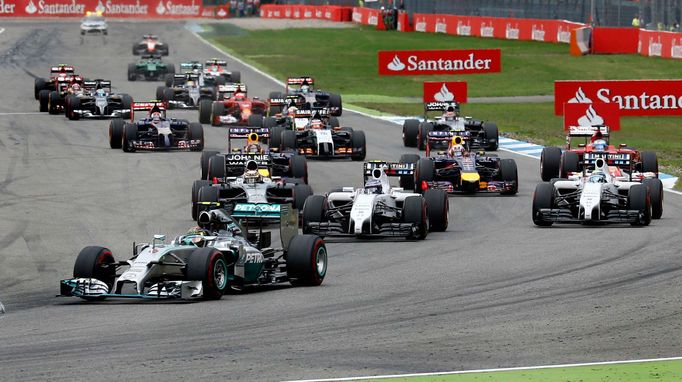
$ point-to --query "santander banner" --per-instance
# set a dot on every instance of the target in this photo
(113, 8)
(449, 91)
(634, 97)
(592, 114)
(419, 62)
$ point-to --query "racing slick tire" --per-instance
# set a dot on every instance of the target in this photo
(543, 197)
(423, 172)
(410, 132)
(196, 131)
(509, 173)
(438, 207)
(306, 260)
(52, 101)
(334, 122)
(170, 68)
(219, 80)
(205, 156)
(72, 103)
(569, 163)
(207, 194)
(235, 76)
(407, 181)
(298, 166)
(135, 52)
(255, 120)
(269, 122)
(314, 211)
(129, 135)
(208, 265)
(116, 133)
(95, 263)
(168, 80)
(423, 137)
(132, 72)
(38, 85)
(159, 92)
(196, 186)
(415, 211)
(288, 141)
(640, 200)
(550, 163)
(216, 167)
(335, 101)
(168, 95)
(217, 110)
(127, 103)
(301, 193)
(649, 162)
(276, 136)
(359, 146)
(492, 137)
(655, 187)
(43, 99)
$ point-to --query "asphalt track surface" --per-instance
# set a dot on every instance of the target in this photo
(491, 291)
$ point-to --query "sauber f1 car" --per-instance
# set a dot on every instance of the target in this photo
(595, 197)
(312, 99)
(150, 44)
(456, 169)
(155, 131)
(57, 74)
(480, 134)
(186, 93)
(377, 209)
(150, 68)
(218, 256)
(96, 101)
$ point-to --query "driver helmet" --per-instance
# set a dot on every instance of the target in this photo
(254, 148)
(373, 186)
(597, 177)
(156, 116)
(316, 124)
(450, 114)
(600, 145)
(76, 88)
(194, 235)
(252, 176)
(239, 96)
(100, 93)
(292, 111)
(305, 87)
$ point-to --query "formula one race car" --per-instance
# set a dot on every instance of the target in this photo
(150, 44)
(215, 68)
(155, 131)
(460, 170)
(94, 22)
(96, 101)
(320, 137)
(555, 163)
(312, 99)
(186, 93)
(237, 109)
(480, 134)
(57, 74)
(595, 197)
(210, 260)
(54, 101)
(377, 209)
(150, 68)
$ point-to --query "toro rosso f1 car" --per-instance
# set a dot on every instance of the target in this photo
(218, 256)
(377, 209)
(155, 131)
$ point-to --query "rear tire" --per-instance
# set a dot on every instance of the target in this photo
(543, 197)
(492, 139)
(208, 265)
(203, 162)
(116, 133)
(216, 167)
(359, 146)
(168, 95)
(276, 137)
(509, 173)
(655, 187)
(407, 181)
(335, 101)
(52, 102)
(38, 85)
(306, 260)
(255, 120)
(649, 162)
(196, 132)
(301, 193)
(207, 194)
(159, 92)
(217, 111)
(423, 172)
(196, 186)
(438, 206)
(410, 132)
(132, 72)
(288, 140)
(423, 137)
(414, 211)
(639, 200)
(569, 163)
(550, 163)
(298, 166)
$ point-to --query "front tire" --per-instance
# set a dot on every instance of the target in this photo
(542, 198)
(116, 133)
(208, 265)
(95, 263)
(655, 187)
(438, 206)
(639, 200)
(306, 260)
(314, 211)
(414, 211)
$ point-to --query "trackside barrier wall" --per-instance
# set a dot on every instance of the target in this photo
(323, 12)
(660, 44)
(111, 8)
(615, 40)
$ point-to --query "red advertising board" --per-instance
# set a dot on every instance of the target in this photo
(634, 97)
(592, 114)
(660, 44)
(112, 8)
(419, 62)
(324, 12)
(445, 91)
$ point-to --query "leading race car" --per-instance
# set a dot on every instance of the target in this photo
(481, 135)
(97, 101)
(218, 256)
(150, 67)
(458, 169)
(57, 74)
(150, 44)
(94, 23)
(377, 209)
(595, 197)
(187, 92)
(155, 131)
(312, 98)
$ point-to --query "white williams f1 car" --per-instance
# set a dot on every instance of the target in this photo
(377, 209)
(595, 198)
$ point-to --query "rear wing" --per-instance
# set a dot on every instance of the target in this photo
(587, 131)
(150, 55)
(62, 69)
(150, 36)
(148, 106)
(389, 168)
(282, 101)
(612, 159)
(69, 79)
(300, 80)
(245, 132)
(232, 88)
(439, 106)
(216, 62)
(307, 113)
(240, 159)
(97, 84)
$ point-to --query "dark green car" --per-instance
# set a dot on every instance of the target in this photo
(149, 68)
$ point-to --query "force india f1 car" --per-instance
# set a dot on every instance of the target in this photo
(150, 68)
(456, 169)
(302, 87)
(150, 44)
(480, 134)
(377, 209)
(595, 197)
(155, 131)
(206, 262)
(96, 101)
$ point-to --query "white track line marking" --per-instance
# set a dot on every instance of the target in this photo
(23, 113)
(280, 83)
(489, 370)
(2, 30)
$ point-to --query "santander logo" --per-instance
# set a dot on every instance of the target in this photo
(591, 118)
(655, 47)
(31, 8)
(676, 49)
(580, 97)
(512, 32)
(373, 20)
(463, 29)
(487, 30)
(563, 35)
(357, 17)
(441, 26)
(444, 95)
(538, 33)
(396, 65)
(420, 25)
